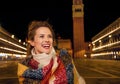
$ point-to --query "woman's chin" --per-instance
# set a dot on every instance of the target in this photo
(47, 52)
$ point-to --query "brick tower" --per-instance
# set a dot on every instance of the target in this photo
(78, 28)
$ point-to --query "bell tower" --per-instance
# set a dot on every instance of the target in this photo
(78, 28)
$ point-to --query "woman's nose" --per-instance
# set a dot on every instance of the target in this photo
(46, 39)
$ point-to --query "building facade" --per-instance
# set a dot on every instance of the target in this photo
(10, 46)
(64, 44)
(106, 44)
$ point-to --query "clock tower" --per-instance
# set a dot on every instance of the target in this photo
(78, 28)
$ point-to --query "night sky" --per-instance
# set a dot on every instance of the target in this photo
(14, 17)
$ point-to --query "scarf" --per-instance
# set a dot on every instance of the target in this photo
(43, 59)
(57, 69)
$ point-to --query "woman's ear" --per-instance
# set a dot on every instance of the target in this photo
(31, 43)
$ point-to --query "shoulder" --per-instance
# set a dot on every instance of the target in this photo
(65, 56)
(26, 60)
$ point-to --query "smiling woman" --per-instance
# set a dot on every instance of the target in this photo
(42, 64)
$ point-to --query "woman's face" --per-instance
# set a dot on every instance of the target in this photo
(43, 40)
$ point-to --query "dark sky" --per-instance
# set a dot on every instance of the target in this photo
(98, 14)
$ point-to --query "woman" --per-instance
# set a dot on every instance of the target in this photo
(43, 65)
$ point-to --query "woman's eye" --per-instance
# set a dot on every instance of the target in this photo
(50, 36)
(41, 36)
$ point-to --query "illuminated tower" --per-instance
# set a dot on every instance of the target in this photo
(78, 28)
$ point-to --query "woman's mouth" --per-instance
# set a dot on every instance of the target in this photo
(46, 46)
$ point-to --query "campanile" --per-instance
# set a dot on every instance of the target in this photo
(78, 28)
